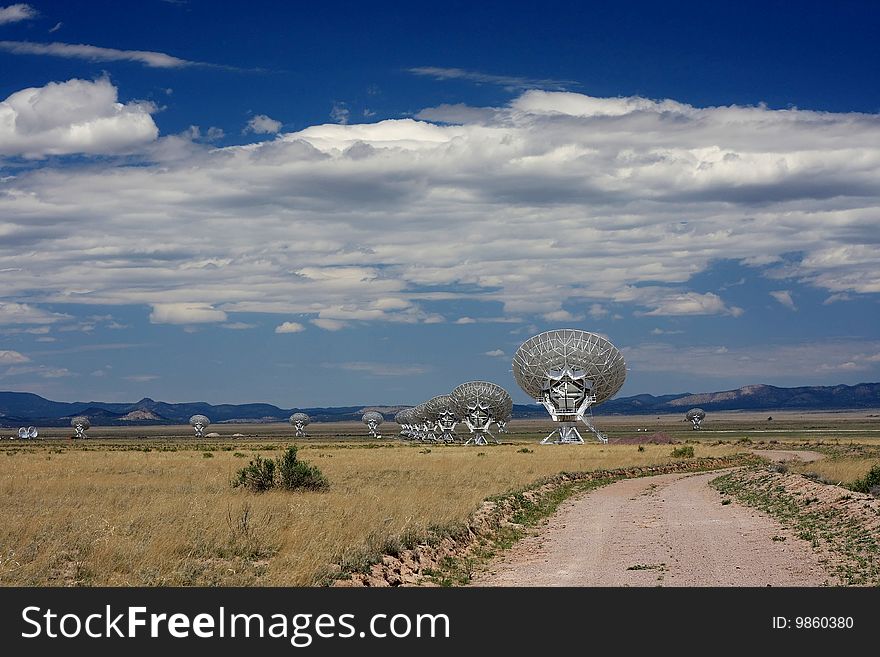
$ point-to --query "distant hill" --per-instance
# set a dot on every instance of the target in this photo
(24, 408)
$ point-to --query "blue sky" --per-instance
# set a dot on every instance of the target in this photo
(349, 204)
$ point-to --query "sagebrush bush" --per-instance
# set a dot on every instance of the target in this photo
(258, 475)
(294, 474)
(285, 472)
(870, 483)
(685, 451)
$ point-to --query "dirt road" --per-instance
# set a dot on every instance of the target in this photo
(668, 530)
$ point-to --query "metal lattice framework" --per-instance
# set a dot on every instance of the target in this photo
(373, 419)
(81, 424)
(300, 421)
(441, 413)
(479, 404)
(569, 371)
(696, 416)
(199, 423)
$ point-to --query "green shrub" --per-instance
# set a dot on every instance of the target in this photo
(258, 475)
(870, 483)
(685, 451)
(294, 474)
(285, 472)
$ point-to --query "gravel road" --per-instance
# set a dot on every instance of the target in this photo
(667, 530)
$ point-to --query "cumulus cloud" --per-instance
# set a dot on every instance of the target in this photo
(340, 113)
(329, 324)
(17, 12)
(784, 298)
(96, 53)
(185, 313)
(262, 125)
(290, 327)
(555, 201)
(8, 357)
(23, 313)
(77, 116)
(497, 353)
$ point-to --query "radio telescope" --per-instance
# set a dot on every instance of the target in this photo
(441, 414)
(696, 415)
(504, 414)
(569, 371)
(423, 429)
(373, 419)
(300, 421)
(479, 404)
(199, 423)
(22, 433)
(399, 419)
(81, 424)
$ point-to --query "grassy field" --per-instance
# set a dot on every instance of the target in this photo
(150, 506)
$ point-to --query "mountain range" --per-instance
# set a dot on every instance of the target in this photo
(23, 408)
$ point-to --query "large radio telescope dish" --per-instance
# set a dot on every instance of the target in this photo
(81, 424)
(696, 416)
(22, 433)
(479, 404)
(300, 421)
(569, 371)
(199, 423)
(442, 414)
(373, 419)
(32, 432)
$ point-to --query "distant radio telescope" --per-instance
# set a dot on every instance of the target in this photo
(81, 424)
(373, 419)
(199, 423)
(441, 413)
(300, 421)
(32, 432)
(696, 416)
(400, 419)
(569, 371)
(479, 404)
(422, 429)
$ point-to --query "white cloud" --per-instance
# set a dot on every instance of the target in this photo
(805, 361)
(43, 371)
(834, 298)
(141, 378)
(8, 357)
(339, 113)
(96, 53)
(262, 125)
(290, 327)
(329, 324)
(380, 369)
(562, 316)
(17, 12)
(497, 353)
(76, 116)
(510, 82)
(22, 313)
(553, 198)
(659, 331)
(784, 298)
(185, 313)
(241, 326)
(597, 311)
(55, 27)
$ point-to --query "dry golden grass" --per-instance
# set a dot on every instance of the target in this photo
(92, 514)
(838, 470)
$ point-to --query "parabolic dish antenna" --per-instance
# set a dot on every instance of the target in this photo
(441, 413)
(569, 371)
(696, 416)
(23, 433)
(479, 404)
(81, 424)
(32, 432)
(199, 423)
(300, 421)
(373, 419)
